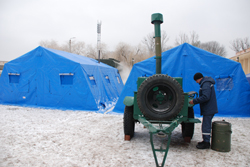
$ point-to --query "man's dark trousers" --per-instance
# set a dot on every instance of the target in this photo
(206, 127)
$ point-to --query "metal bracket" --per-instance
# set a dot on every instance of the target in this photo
(154, 130)
(165, 151)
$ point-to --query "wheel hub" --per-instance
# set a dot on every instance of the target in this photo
(160, 98)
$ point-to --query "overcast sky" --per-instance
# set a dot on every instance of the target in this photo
(24, 23)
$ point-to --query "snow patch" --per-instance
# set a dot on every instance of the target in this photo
(44, 137)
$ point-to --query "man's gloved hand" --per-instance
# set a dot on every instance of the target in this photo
(191, 102)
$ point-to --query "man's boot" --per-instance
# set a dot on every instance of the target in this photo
(203, 145)
(200, 142)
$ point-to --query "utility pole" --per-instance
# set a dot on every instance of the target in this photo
(70, 44)
(99, 23)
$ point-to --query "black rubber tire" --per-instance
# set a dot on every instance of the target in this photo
(128, 121)
(188, 128)
(160, 97)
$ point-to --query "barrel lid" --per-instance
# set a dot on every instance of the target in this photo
(221, 123)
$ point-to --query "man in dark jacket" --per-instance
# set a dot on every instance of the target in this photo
(208, 107)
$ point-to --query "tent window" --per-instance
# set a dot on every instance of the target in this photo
(66, 78)
(14, 77)
(107, 78)
(225, 83)
(92, 80)
(118, 79)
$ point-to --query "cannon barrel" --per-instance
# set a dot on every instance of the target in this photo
(157, 19)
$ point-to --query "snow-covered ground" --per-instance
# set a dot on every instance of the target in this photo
(55, 138)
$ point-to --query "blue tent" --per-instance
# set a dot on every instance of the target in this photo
(248, 77)
(232, 88)
(57, 79)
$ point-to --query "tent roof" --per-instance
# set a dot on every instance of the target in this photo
(62, 54)
(74, 57)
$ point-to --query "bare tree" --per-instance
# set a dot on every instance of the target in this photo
(184, 38)
(214, 47)
(125, 53)
(140, 53)
(149, 42)
(91, 52)
(52, 44)
(164, 40)
(194, 39)
(240, 44)
(78, 48)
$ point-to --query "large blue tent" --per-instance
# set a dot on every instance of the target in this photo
(248, 77)
(57, 79)
(232, 88)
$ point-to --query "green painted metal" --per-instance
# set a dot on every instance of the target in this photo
(165, 151)
(158, 54)
(157, 19)
(179, 79)
(128, 101)
(171, 124)
(147, 124)
(184, 111)
(157, 130)
(153, 129)
(156, 127)
(191, 96)
(221, 136)
(140, 80)
(192, 120)
(190, 99)
(137, 111)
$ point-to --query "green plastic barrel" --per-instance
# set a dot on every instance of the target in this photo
(221, 136)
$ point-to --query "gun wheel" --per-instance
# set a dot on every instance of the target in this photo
(160, 97)
(188, 128)
(128, 122)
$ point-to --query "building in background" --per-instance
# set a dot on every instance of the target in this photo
(243, 57)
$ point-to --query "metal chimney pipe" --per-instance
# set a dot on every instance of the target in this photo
(157, 19)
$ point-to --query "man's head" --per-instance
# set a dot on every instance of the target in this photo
(198, 77)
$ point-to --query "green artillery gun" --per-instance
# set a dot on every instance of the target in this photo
(159, 103)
